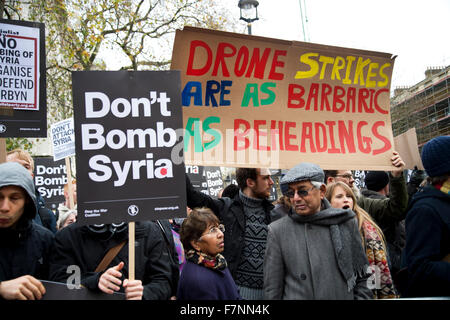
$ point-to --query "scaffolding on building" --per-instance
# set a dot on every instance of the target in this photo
(425, 106)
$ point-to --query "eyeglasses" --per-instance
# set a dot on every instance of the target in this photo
(301, 192)
(214, 230)
(346, 176)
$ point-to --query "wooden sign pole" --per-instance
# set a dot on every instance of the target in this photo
(69, 183)
(2, 150)
(131, 239)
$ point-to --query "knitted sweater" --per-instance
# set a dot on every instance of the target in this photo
(250, 270)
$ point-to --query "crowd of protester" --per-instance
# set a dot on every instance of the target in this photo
(324, 238)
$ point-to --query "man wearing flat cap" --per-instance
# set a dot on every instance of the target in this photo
(315, 251)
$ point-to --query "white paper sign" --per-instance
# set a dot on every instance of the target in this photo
(19, 67)
(63, 139)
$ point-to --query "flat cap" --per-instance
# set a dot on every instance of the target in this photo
(304, 171)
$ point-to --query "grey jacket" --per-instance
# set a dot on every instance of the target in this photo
(300, 263)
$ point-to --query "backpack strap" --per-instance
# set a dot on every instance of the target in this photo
(109, 256)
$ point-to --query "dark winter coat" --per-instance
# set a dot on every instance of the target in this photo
(79, 245)
(427, 243)
(47, 217)
(172, 253)
(231, 214)
(201, 283)
(25, 249)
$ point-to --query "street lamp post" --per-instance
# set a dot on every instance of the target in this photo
(249, 12)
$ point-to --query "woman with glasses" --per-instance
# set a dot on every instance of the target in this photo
(205, 275)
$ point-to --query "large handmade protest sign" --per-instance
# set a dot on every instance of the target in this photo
(259, 102)
(23, 107)
(126, 141)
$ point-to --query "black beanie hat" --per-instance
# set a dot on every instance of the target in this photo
(436, 156)
(376, 180)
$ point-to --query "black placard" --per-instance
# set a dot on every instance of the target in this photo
(49, 178)
(125, 131)
(61, 291)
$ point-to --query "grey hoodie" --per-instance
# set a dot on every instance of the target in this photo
(13, 174)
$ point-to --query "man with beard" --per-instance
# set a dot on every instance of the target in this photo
(245, 217)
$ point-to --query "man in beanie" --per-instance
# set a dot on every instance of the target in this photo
(314, 252)
(427, 251)
(24, 246)
(377, 187)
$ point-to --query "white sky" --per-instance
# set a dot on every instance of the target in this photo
(417, 31)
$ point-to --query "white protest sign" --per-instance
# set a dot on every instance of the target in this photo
(63, 139)
(19, 68)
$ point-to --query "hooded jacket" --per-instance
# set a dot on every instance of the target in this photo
(427, 243)
(25, 248)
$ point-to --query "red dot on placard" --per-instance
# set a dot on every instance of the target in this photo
(163, 171)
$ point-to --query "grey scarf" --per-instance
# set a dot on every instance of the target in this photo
(348, 249)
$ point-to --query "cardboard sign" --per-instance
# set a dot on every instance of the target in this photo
(259, 102)
(49, 178)
(128, 159)
(23, 108)
(63, 139)
(406, 145)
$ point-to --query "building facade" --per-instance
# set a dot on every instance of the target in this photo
(424, 106)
